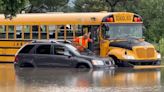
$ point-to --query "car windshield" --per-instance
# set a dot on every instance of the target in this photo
(73, 49)
(117, 31)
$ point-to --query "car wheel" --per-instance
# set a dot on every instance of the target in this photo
(115, 61)
(112, 61)
(26, 65)
(82, 66)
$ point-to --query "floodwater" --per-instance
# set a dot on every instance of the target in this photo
(73, 80)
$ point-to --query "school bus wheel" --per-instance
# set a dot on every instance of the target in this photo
(116, 61)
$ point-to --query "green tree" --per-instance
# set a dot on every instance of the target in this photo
(49, 5)
(56, 5)
(90, 6)
(11, 7)
(127, 5)
(113, 3)
(100, 5)
(150, 10)
(152, 13)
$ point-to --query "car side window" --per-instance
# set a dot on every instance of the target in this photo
(43, 49)
(60, 50)
(26, 49)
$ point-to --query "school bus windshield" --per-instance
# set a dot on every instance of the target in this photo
(117, 31)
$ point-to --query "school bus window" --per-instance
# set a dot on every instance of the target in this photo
(43, 31)
(11, 32)
(65, 32)
(104, 31)
(69, 31)
(85, 29)
(27, 32)
(60, 32)
(2, 32)
(78, 30)
(95, 34)
(35, 31)
(52, 29)
(19, 32)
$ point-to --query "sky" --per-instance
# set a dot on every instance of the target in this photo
(71, 2)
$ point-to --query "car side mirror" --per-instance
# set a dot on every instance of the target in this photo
(143, 28)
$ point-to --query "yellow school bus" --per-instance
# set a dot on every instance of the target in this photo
(118, 35)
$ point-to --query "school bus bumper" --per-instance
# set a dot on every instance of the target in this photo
(126, 62)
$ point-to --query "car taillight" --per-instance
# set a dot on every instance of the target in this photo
(16, 59)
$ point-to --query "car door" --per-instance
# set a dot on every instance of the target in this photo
(26, 54)
(62, 57)
(43, 55)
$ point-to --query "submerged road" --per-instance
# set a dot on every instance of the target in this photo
(76, 80)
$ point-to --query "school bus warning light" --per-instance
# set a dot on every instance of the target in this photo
(137, 19)
(110, 19)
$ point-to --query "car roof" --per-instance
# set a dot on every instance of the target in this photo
(46, 43)
(50, 42)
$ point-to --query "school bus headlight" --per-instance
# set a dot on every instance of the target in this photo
(129, 57)
(159, 56)
(97, 62)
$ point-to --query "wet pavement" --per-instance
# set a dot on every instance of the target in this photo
(73, 80)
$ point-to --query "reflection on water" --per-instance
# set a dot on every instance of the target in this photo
(66, 80)
(7, 77)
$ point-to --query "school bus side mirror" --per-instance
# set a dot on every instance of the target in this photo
(143, 28)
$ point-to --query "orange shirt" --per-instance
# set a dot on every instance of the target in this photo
(83, 42)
